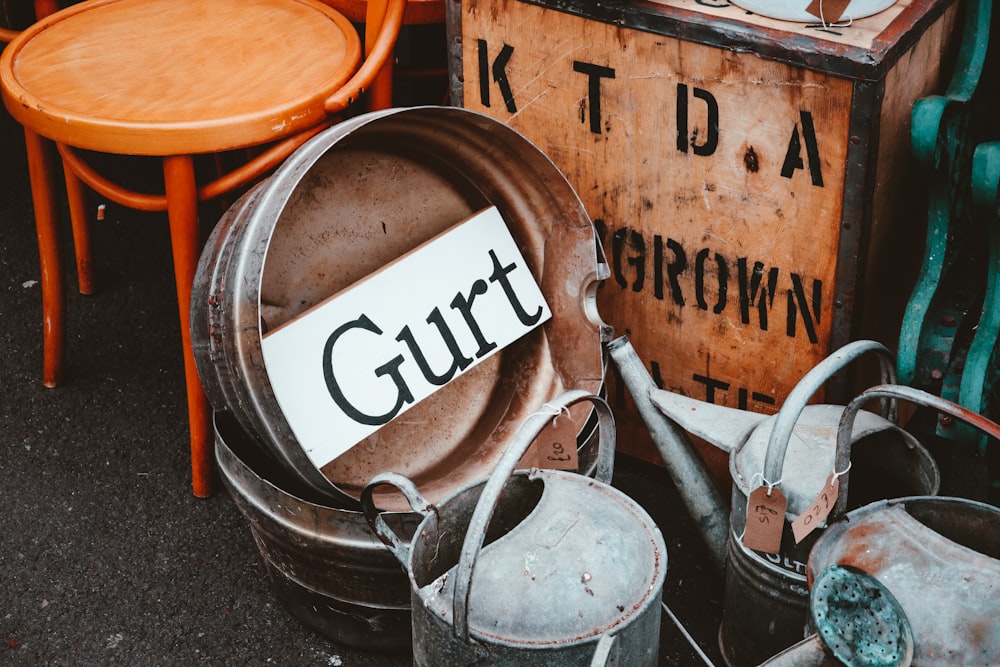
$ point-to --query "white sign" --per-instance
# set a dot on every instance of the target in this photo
(364, 356)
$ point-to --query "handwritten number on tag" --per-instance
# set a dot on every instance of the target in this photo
(558, 453)
(765, 520)
(820, 508)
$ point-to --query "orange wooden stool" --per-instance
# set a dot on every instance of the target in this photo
(175, 79)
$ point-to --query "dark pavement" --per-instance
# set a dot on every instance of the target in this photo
(106, 558)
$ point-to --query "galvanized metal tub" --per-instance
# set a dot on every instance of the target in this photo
(352, 200)
(323, 562)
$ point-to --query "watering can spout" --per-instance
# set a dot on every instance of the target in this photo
(726, 428)
(686, 468)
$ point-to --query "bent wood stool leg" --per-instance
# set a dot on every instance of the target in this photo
(379, 95)
(182, 212)
(76, 194)
(40, 172)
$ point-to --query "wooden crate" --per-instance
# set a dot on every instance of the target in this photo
(751, 179)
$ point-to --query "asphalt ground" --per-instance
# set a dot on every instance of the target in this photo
(106, 558)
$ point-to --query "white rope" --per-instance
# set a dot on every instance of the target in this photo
(770, 485)
(827, 26)
(549, 409)
(846, 470)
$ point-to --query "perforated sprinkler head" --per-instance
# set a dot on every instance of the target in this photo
(859, 621)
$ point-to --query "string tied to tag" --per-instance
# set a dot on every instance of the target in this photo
(832, 24)
(819, 509)
(764, 482)
(555, 411)
(838, 475)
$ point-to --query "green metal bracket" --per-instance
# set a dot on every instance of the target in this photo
(979, 377)
(950, 334)
(945, 130)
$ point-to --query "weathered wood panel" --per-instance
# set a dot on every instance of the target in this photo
(738, 191)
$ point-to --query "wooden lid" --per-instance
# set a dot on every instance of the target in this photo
(162, 77)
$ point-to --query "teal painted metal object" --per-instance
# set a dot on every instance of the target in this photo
(859, 620)
(951, 329)
(944, 133)
(978, 389)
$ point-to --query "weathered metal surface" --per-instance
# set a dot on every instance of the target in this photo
(765, 607)
(875, 459)
(810, 652)
(324, 564)
(797, 450)
(859, 620)
(950, 333)
(968, 417)
(939, 558)
(687, 470)
(347, 203)
(568, 562)
(858, 623)
(762, 447)
(982, 363)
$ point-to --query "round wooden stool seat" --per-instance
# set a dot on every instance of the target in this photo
(174, 79)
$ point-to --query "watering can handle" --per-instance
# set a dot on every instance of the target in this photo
(798, 397)
(602, 654)
(373, 516)
(906, 393)
(487, 503)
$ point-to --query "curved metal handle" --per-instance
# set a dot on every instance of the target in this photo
(896, 391)
(487, 503)
(373, 515)
(798, 398)
(602, 654)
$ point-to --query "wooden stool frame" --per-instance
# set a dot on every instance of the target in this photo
(45, 124)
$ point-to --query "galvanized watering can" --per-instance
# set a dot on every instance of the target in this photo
(940, 557)
(858, 621)
(795, 452)
(536, 567)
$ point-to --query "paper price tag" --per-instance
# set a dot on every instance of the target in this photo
(555, 448)
(765, 520)
(818, 510)
(828, 11)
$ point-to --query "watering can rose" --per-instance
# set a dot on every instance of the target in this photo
(366, 355)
